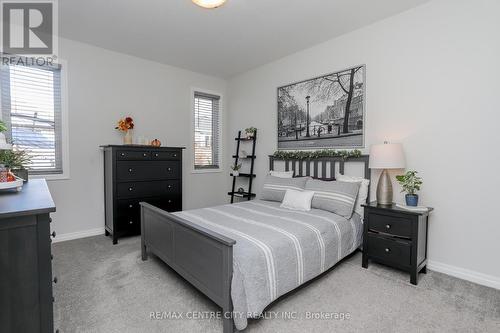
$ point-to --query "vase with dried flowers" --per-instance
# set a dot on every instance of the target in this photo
(126, 125)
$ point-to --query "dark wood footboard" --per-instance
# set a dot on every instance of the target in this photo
(203, 257)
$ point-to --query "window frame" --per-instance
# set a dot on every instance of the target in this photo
(219, 169)
(65, 174)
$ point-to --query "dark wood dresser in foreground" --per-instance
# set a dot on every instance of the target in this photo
(396, 237)
(134, 173)
(25, 259)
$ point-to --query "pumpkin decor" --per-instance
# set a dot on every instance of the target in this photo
(156, 143)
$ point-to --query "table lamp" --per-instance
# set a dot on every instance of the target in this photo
(386, 156)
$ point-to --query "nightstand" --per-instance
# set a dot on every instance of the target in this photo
(396, 237)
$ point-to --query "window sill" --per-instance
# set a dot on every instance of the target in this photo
(206, 170)
(49, 177)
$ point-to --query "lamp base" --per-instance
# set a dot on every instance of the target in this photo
(384, 189)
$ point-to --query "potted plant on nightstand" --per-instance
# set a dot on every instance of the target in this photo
(410, 183)
(236, 169)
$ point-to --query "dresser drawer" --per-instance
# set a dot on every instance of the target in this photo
(165, 155)
(151, 170)
(148, 189)
(391, 250)
(128, 207)
(129, 224)
(133, 155)
(389, 224)
(129, 210)
(169, 203)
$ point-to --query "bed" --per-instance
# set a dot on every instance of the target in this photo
(244, 256)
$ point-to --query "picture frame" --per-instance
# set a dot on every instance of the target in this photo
(311, 113)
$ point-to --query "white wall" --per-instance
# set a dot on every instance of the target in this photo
(432, 83)
(104, 86)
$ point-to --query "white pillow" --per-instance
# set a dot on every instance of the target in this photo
(297, 200)
(363, 190)
(282, 174)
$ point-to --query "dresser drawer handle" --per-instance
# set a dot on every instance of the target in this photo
(53, 234)
(55, 280)
(175, 155)
(388, 226)
(169, 169)
(169, 201)
(130, 189)
(169, 186)
(51, 257)
(387, 250)
(130, 206)
(144, 154)
(122, 154)
(130, 170)
(130, 222)
(156, 155)
(50, 219)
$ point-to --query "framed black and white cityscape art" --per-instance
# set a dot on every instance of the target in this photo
(324, 112)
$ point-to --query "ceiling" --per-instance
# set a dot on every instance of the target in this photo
(241, 35)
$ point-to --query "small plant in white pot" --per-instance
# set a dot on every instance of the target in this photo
(236, 169)
(410, 183)
(250, 132)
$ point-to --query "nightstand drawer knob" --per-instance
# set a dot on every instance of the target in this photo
(130, 189)
(130, 170)
(131, 222)
(388, 226)
(144, 154)
(387, 250)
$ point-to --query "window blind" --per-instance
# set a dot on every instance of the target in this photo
(206, 131)
(31, 108)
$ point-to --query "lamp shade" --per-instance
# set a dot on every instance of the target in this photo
(387, 156)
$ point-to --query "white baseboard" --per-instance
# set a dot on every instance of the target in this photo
(79, 234)
(465, 274)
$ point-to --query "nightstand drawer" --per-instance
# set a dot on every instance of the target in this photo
(391, 250)
(389, 224)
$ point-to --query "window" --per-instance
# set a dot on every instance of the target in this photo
(31, 108)
(206, 131)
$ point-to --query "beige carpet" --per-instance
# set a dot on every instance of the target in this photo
(107, 288)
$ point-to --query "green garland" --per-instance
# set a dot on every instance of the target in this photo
(305, 155)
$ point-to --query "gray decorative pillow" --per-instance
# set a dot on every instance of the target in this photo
(333, 196)
(275, 187)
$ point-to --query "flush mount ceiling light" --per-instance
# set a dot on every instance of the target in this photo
(210, 4)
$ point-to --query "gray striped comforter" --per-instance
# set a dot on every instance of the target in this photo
(276, 249)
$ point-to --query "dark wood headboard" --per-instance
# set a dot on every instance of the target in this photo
(321, 168)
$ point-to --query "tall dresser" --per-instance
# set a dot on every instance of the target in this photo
(25, 259)
(134, 173)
